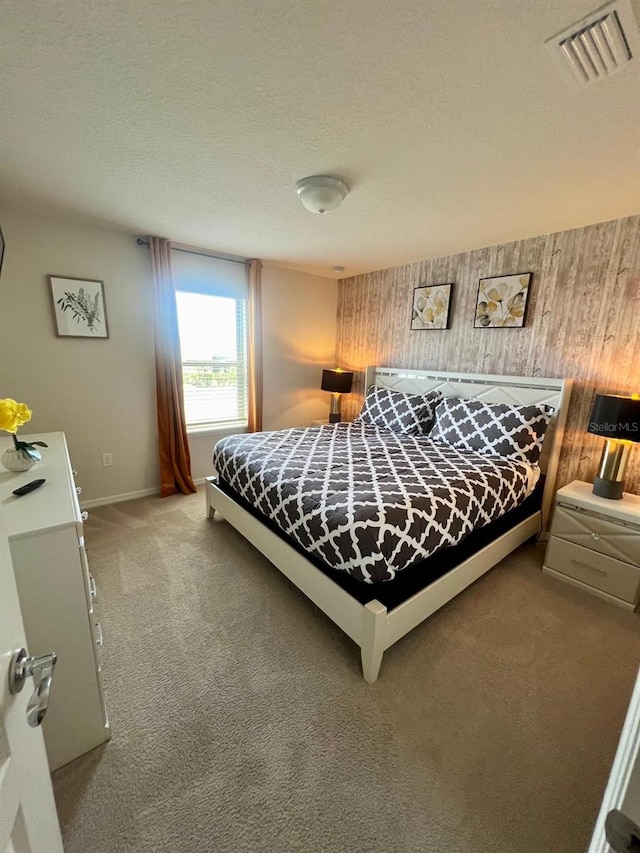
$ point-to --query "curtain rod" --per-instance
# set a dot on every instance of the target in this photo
(189, 250)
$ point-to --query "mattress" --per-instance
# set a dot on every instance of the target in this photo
(366, 501)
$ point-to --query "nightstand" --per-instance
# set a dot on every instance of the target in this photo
(595, 544)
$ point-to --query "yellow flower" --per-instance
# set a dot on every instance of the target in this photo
(13, 415)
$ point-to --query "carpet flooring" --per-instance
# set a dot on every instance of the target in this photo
(241, 721)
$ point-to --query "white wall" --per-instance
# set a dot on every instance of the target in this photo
(299, 316)
(101, 393)
(299, 338)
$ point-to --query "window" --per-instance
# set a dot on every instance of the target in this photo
(212, 305)
(214, 362)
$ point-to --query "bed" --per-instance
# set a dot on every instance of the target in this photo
(381, 529)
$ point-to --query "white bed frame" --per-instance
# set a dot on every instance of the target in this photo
(371, 626)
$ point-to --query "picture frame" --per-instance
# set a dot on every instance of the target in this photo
(79, 308)
(431, 306)
(502, 301)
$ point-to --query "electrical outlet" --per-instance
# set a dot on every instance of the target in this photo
(107, 460)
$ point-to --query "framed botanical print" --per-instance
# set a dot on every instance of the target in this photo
(502, 301)
(431, 306)
(79, 308)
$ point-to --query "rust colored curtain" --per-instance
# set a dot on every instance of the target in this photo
(175, 459)
(254, 348)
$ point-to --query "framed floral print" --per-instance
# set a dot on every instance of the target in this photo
(502, 301)
(431, 306)
(79, 309)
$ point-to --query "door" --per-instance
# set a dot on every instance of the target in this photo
(28, 819)
(623, 789)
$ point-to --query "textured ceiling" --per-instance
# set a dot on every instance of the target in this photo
(193, 120)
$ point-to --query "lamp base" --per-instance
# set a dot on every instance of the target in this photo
(611, 489)
(334, 412)
(609, 481)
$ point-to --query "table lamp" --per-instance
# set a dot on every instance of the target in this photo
(618, 420)
(338, 382)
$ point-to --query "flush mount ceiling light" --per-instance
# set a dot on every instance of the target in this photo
(321, 193)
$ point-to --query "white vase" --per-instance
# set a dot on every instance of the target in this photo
(16, 460)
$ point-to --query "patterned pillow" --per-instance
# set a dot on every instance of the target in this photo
(399, 412)
(515, 432)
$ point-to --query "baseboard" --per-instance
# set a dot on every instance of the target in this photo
(116, 499)
(129, 496)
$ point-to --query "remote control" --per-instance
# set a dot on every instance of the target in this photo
(28, 487)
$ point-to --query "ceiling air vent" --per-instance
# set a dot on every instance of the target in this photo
(599, 45)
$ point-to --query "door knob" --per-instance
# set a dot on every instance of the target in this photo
(41, 668)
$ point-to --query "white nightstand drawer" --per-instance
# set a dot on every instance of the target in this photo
(591, 530)
(597, 570)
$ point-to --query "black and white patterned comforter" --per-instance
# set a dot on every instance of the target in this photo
(368, 501)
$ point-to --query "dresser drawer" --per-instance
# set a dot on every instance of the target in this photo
(86, 577)
(597, 533)
(595, 569)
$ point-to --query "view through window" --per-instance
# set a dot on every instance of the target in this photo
(214, 364)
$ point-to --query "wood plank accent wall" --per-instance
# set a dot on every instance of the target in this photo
(583, 321)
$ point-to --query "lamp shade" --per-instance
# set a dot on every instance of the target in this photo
(337, 381)
(615, 417)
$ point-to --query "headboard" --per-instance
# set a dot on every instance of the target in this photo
(516, 390)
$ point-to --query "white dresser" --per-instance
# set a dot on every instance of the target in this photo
(56, 593)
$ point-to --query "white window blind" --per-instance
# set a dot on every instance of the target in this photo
(209, 276)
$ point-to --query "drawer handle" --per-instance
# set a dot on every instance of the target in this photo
(591, 568)
(84, 515)
(92, 585)
(99, 639)
(595, 536)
